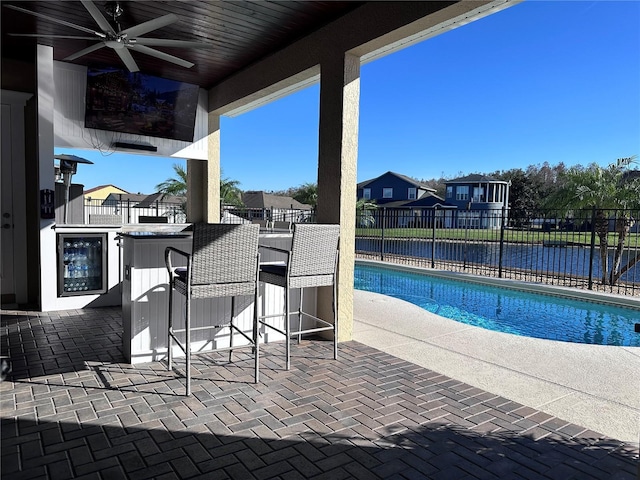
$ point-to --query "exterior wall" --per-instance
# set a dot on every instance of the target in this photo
(425, 217)
(400, 189)
(484, 219)
(103, 193)
(70, 83)
(485, 201)
(484, 214)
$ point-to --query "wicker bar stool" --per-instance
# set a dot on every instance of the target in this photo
(311, 262)
(224, 263)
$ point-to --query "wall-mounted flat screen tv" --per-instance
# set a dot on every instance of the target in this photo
(121, 101)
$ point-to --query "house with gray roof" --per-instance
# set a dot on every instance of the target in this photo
(480, 200)
(268, 206)
(406, 202)
(392, 187)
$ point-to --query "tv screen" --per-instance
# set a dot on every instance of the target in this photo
(121, 101)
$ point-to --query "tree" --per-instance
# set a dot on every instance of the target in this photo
(364, 212)
(523, 197)
(230, 193)
(306, 193)
(176, 186)
(608, 191)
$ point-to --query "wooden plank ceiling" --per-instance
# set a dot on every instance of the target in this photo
(239, 32)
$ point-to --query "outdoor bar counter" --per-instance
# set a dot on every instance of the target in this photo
(145, 297)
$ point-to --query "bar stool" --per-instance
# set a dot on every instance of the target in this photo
(224, 263)
(311, 262)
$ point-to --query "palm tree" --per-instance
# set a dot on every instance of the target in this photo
(307, 194)
(364, 212)
(230, 193)
(606, 190)
(176, 186)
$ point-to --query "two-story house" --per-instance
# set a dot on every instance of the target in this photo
(406, 202)
(480, 200)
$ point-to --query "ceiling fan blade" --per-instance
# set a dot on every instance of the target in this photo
(161, 55)
(85, 51)
(165, 42)
(102, 22)
(127, 59)
(149, 26)
(38, 35)
(55, 20)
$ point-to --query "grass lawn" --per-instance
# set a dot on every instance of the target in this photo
(485, 235)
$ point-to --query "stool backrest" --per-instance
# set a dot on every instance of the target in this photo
(224, 253)
(314, 249)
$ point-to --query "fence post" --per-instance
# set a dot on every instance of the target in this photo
(384, 220)
(593, 247)
(500, 253)
(466, 236)
(433, 238)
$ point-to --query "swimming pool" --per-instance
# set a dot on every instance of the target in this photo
(505, 309)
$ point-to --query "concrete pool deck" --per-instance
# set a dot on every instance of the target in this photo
(594, 386)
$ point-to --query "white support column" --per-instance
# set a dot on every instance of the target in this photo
(337, 163)
(506, 195)
(46, 97)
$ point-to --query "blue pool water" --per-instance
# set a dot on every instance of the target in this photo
(506, 310)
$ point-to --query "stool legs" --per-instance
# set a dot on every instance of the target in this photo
(287, 327)
(300, 315)
(233, 309)
(188, 340)
(170, 324)
(256, 339)
(335, 322)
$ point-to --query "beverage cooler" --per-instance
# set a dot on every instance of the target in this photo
(82, 264)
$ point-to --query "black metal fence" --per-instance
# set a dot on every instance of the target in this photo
(125, 211)
(272, 214)
(546, 247)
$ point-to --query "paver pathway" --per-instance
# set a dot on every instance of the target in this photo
(72, 409)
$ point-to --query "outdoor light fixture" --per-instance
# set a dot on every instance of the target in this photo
(68, 167)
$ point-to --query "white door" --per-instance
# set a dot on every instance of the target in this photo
(6, 210)
(13, 212)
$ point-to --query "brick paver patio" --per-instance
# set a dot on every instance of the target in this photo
(72, 409)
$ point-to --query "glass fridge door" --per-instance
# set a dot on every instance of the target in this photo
(82, 264)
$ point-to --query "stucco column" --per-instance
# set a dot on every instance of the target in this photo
(203, 180)
(337, 163)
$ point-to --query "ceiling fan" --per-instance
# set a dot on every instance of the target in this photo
(121, 41)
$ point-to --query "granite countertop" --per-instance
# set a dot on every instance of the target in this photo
(155, 234)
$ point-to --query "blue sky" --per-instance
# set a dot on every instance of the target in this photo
(540, 81)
